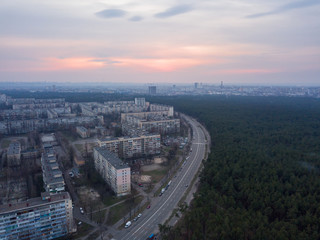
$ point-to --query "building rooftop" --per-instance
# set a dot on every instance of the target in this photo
(14, 148)
(112, 158)
(52, 176)
(82, 129)
(32, 202)
(108, 139)
(48, 138)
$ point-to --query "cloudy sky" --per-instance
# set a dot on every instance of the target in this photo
(274, 42)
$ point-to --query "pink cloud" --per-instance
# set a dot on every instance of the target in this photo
(245, 71)
(54, 64)
(160, 64)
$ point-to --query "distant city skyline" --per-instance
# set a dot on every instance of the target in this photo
(161, 42)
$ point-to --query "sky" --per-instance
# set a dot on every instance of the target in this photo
(274, 42)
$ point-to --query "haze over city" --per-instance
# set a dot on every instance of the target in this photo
(238, 42)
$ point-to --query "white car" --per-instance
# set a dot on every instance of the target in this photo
(128, 224)
(139, 215)
(81, 210)
(79, 223)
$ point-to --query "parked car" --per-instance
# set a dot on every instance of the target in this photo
(139, 215)
(81, 210)
(128, 224)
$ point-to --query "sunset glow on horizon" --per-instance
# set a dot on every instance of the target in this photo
(182, 41)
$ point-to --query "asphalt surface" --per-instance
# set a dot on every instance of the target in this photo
(163, 206)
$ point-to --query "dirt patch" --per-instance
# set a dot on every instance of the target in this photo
(151, 167)
(145, 178)
(158, 160)
(85, 193)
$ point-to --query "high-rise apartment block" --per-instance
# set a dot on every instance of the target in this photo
(162, 108)
(152, 90)
(140, 101)
(46, 217)
(115, 172)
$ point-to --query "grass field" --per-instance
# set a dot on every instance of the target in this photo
(5, 143)
(156, 175)
(119, 211)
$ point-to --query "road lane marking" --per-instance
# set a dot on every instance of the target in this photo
(193, 162)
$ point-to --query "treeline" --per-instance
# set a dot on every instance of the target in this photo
(262, 179)
(73, 97)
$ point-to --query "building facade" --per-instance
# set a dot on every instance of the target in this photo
(116, 173)
(83, 132)
(45, 217)
(130, 147)
(152, 90)
(14, 154)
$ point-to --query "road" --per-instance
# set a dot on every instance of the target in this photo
(163, 206)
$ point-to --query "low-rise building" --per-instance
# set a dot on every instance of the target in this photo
(30, 153)
(83, 132)
(115, 172)
(52, 176)
(46, 217)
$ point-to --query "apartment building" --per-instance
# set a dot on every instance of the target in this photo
(113, 171)
(164, 126)
(114, 107)
(60, 112)
(31, 103)
(150, 123)
(130, 147)
(83, 132)
(127, 117)
(140, 101)
(160, 107)
(46, 217)
(52, 176)
(14, 154)
(25, 126)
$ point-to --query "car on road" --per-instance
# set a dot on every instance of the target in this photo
(79, 223)
(187, 185)
(139, 215)
(152, 236)
(135, 219)
(81, 210)
(71, 174)
(148, 206)
(128, 224)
